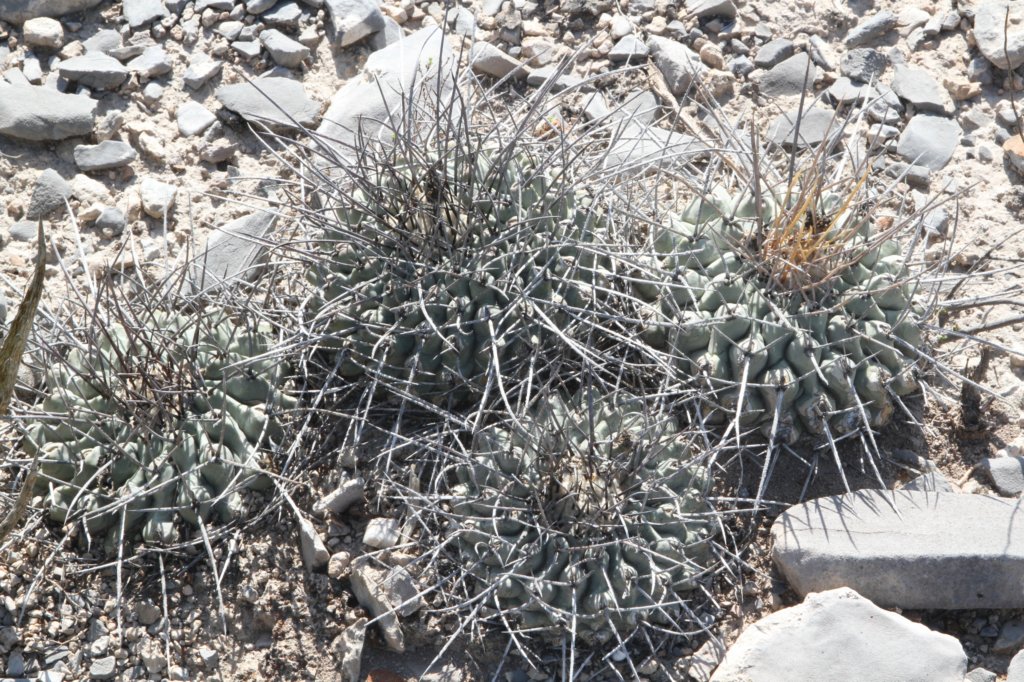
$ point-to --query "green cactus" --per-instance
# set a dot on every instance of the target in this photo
(444, 266)
(158, 421)
(587, 512)
(814, 344)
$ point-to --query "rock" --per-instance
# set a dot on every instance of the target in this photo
(49, 195)
(773, 52)
(628, 49)
(678, 64)
(151, 63)
(209, 657)
(354, 20)
(845, 92)
(461, 20)
(314, 553)
(389, 35)
(338, 565)
(863, 64)
(283, 50)
(194, 118)
(16, 663)
(263, 100)
(382, 533)
(372, 106)
(44, 32)
(1013, 152)
(839, 635)
(707, 9)
(636, 148)
(960, 89)
(157, 197)
(980, 675)
(36, 113)
(259, 6)
(20, 11)
(1006, 474)
(640, 107)
(554, 78)
(815, 126)
(285, 15)
(103, 668)
(789, 77)
(3, 311)
(103, 156)
(147, 613)
(249, 49)
(348, 649)
(22, 231)
(917, 87)
(139, 13)
(201, 69)
(232, 252)
(1011, 638)
(1004, 49)
(104, 41)
(870, 28)
(94, 70)
(913, 175)
(385, 593)
(938, 551)
(110, 220)
(930, 481)
(929, 141)
(340, 499)
(887, 108)
(1015, 673)
(489, 60)
(741, 66)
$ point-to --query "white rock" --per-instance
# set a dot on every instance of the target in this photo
(314, 553)
(382, 533)
(839, 635)
(1002, 48)
(348, 648)
(194, 118)
(337, 501)
(157, 197)
(44, 32)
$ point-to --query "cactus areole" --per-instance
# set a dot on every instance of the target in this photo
(586, 516)
(798, 321)
(158, 421)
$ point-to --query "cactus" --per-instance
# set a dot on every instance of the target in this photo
(445, 266)
(588, 514)
(811, 319)
(158, 421)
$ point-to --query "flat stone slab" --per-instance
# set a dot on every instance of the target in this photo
(274, 101)
(18, 11)
(232, 252)
(929, 140)
(907, 549)
(36, 113)
(840, 636)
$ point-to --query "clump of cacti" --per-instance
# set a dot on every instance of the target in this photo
(448, 263)
(586, 516)
(156, 420)
(800, 319)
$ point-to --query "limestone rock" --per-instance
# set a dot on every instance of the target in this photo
(49, 195)
(232, 252)
(929, 141)
(1005, 49)
(679, 65)
(20, 11)
(274, 101)
(31, 112)
(44, 32)
(354, 20)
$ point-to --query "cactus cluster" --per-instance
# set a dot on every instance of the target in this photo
(588, 515)
(155, 421)
(450, 264)
(809, 346)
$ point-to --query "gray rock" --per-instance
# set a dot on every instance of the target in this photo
(139, 13)
(389, 35)
(980, 675)
(194, 118)
(104, 41)
(870, 28)
(420, 65)
(979, 71)
(147, 613)
(552, 77)
(628, 49)
(354, 20)
(259, 6)
(104, 156)
(30, 112)
(32, 69)
(773, 52)
(49, 195)
(886, 108)
(839, 635)
(1015, 673)
(368, 586)
(844, 92)
(16, 77)
(789, 77)
(250, 49)
(338, 566)
(153, 62)
(1004, 49)
(103, 668)
(929, 141)
(285, 15)
(111, 220)
(16, 663)
(490, 60)
(815, 126)
(232, 252)
(283, 50)
(276, 102)
(1011, 638)
(209, 657)
(3, 311)
(382, 533)
(201, 69)
(461, 20)
(157, 197)
(23, 231)
(347, 649)
(741, 66)
(917, 87)
(314, 553)
(94, 70)
(678, 64)
(636, 148)
(341, 498)
(913, 175)
(705, 9)
(930, 481)
(641, 107)
(20, 11)
(152, 93)
(1006, 474)
(917, 550)
(863, 64)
